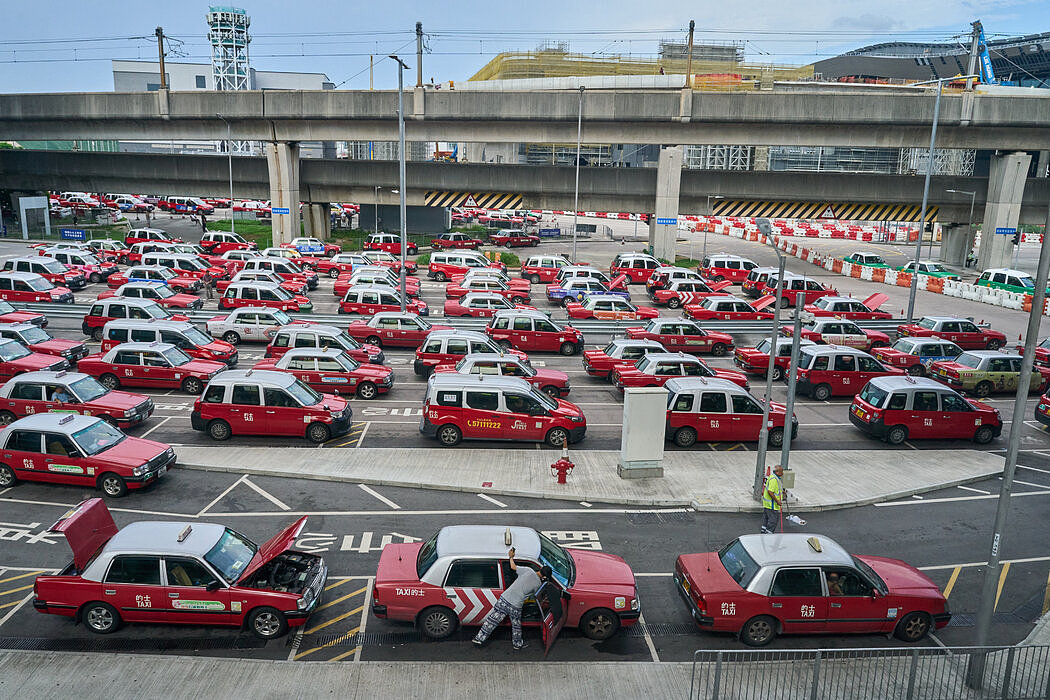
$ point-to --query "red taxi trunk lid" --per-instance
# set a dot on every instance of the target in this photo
(876, 300)
(398, 563)
(762, 303)
(277, 544)
(707, 575)
(87, 527)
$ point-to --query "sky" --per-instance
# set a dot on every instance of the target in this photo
(66, 46)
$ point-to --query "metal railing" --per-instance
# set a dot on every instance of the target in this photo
(929, 673)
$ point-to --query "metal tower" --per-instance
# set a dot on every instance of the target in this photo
(228, 34)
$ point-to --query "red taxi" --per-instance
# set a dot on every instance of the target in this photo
(251, 402)
(961, 331)
(181, 284)
(619, 351)
(810, 289)
(756, 360)
(729, 308)
(393, 329)
(754, 284)
(332, 370)
(726, 267)
(107, 249)
(833, 331)
(9, 314)
(50, 269)
(1042, 409)
(543, 268)
(84, 451)
(833, 370)
(683, 335)
(182, 334)
(759, 586)
(454, 240)
(39, 340)
(710, 409)
(70, 392)
(550, 381)
(637, 266)
(179, 573)
(533, 330)
(390, 243)
(155, 291)
(149, 235)
(218, 242)
(849, 308)
(487, 407)
(514, 239)
(1042, 350)
(336, 265)
(26, 286)
(374, 275)
(445, 346)
(152, 365)
(682, 292)
(664, 276)
(455, 578)
(492, 273)
(84, 261)
(283, 268)
(371, 299)
(444, 265)
(105, 310)
(608, 307)
(655, 369)
(315, 335)
(915, 355)
(481, 305)
(241, 294)
(134, 254)
(293, 286)
(905, 408)
(381, 257)
(16, 358)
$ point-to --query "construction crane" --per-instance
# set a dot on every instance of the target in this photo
(979, 47)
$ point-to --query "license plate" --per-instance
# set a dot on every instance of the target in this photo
(858, 412)
(685, 585)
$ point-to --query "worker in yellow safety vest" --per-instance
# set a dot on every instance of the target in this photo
(772, 494)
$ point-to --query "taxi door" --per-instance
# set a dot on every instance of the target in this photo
(951, 330)
(482, 417)
(156, 371)
(1002, 373)
(713, 421)
(473, 586)
(958, 417)
(925, 416)
(133, 586)
(746, 421)
(796, 598)
(245, 412)
(553, 604)
(693, 339)
(853, 605)
(189, 599)
(852, 336)
(546, 336)
(867, 369)
(524, 418)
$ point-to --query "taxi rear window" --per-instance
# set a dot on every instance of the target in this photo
(873, 395)
(738, 563)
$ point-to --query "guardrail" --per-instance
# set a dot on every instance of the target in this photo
(1016, 672)
(465, 323)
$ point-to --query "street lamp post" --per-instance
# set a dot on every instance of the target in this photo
(926, 190)
(401, 170)
(969, 224)
(763, 435)
(576, 196)
(229, 162)
(376, 217)
(709, 198)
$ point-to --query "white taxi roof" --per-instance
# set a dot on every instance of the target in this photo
(930, 340)
(311, 352)
(62, 377)
(459, 333)
(473, 296)
(992, 353)
(24, 276)
(129, 301)
(371, 288)
(455, 381)
(668, 356)
(667, 269)
(945, 318)
(832, 349)
(520, 313)
(141, 284)
(253, 284)
(173, 256)
(320, 328)
(635, 342)
(837, 299)
(1007, 270)
(147, 230)
(19, 327)
(397, 314)
(728, 256)
(491, 357)
(687, 385)
(896, 383)
(159, 537)
(794, 549)
(147, 268)
(487, 541)
(58, 422)
(665, 321)
(152, 347)
(265, 377)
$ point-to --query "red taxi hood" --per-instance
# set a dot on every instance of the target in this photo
(398, 563)
(118, 400)
(35, 361)
(277, 544)
(765, 301)
(706, 573)
(876, 300)
(719, 286)
(732, 375)
(619, 282)
(20, 317)
(551, 375)
(87, 526)
(56, 345)
(901, 577)
(600, 571)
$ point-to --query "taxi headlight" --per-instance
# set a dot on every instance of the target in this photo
(139, 471)
(335, 414)
(634, 604)
(129, 413)
(576, 419)
(303, 603)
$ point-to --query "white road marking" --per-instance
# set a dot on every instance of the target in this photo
(30, 568)
(6, 490)
(361, 437)
(972, 564)
(1028, 483)
(12, 611)
(967, 488)
(262, 492)
(585, 504)
(1019, 466)
(1042, 492)
(364, 619)
(295, 643)
(655, 574)
(382, 498)
(492, 500)
(910, 445)
(162, 422)
(649, 640)
(221, 495)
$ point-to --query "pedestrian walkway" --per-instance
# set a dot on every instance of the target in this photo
(707, 481)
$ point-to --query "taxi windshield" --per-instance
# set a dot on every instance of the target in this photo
(39, 284)
(165, 273)
(968, 360)
(175, 356)
(281, 317)
(1026, 282)
(346, 341)
(34, 335)
(764, 346)
(873, 395)
(738, 563)
(163, 291)
(237, 238)
(88, 389)
(6, 308)
(98, 437)
(231, 554)
(196, 336)
(805, 360)
(348, 363)
(871, 575)
(934, 267)
(303, 394)
(290, 267)
(155, 311)
(281, 293)
(905, 345)
(88, 260)
(54, 266)
(12, 351)
(927, 323)
(559, 560)
(548, 402)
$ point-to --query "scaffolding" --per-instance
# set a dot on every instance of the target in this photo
(719, 157)
(228, 34)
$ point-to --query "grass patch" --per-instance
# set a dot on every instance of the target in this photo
(686, 262)
(471, 228)
(257, 231)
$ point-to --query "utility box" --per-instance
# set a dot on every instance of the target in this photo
(642, 441)
(788, 479)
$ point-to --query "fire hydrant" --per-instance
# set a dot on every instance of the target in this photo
(562, 468)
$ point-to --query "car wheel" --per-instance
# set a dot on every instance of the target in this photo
(318, 432)
(982, 389)
(535, 279)
(231, 337)
(822, 392)
(219, 430)
(719, 349)
(366, 391)
(267, 623)
(674, 303)
(685, 437)
(783, 303)
(96, 335)
(557, 437)
(123, 260)
(94, 278)
(109, 381)
(912, 627)
(333, 273)
(984, 435)
(896, 435)
(758, 631)
(776, 437)
(113, 485)
(437, 622)
(994, 344)
(374, 340)
(7, 476)
(517, 300)
(551, 390)
(449, 435)
(778, 373)
(568, 348)
(192, 385)
(100, 618)
(441, 277)
(917, 371)
(6, 418)
(599, 624)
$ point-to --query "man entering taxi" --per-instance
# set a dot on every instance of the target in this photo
(771, 501)
(511, 601)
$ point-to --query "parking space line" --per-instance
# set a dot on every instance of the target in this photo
(341, 599)
(951, 581)
(364, 618)
(162, 422)
(379, 496)
(15, 608)
(999, 588)
(1042, 492)
(967, 488)
(492, 500)
(12, 578)
(648, 639)
(361, 437)
(262, 492)
(221, 496)
(345, 654)
(969, 565)
(327, 644)
(16, 590)
(1029, 483)
(1019, 466)
(910, 445)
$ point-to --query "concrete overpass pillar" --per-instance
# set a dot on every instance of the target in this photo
(1002, 209)
(1043, 167)
(282, 160)
(662, 237)
(956, 243)
(317, 220)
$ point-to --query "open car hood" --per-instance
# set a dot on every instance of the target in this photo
(876, 300)
(277, 544)
(87, 526)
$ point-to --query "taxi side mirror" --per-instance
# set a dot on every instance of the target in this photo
(213, 586)
(538, 411)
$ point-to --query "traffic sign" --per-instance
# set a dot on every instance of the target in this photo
(280, 210)
(73, 234)
(1005, 231)
(670, 221)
